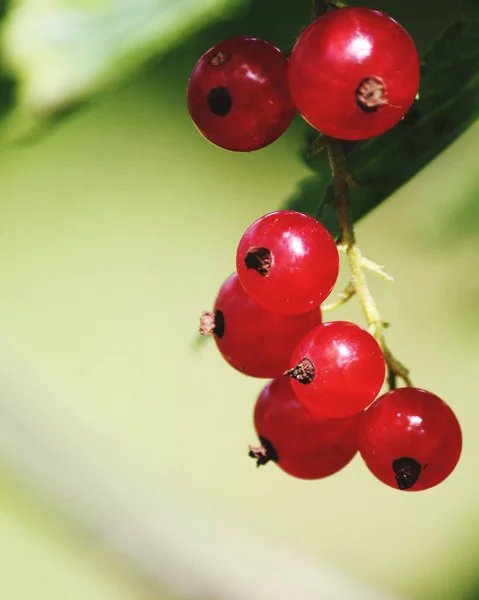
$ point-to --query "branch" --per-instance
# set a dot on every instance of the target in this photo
(343, 297)
(358, 264)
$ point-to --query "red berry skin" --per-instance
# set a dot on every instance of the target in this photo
(256, 342)
(349, 369)
(305, 447)
(301, 268)
(410, 422)
(238, 94)
(339, 52)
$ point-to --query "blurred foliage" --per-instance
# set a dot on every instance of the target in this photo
(3, 8)
(61, 52)
(448, 104)
(463, 218)
(57, 56)
(7, 93)
(89, 221)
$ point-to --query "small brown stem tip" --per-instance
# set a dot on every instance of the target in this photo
(303, 372)
(259, 259)
(219, 59)
(264, 453)
(212, 323)
(207, 323)
(371, 94)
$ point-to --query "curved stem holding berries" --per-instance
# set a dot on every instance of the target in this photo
(343, 297)
(358, 264)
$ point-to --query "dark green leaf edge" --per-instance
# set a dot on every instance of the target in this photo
(447, 106)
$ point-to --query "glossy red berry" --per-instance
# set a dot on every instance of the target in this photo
(253, 341)
(238, 94)
(354, 73)
(300, 444)
(410, 439)
(338, 369)
(287, 262)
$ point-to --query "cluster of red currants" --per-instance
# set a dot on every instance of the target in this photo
(352, 74)
(314, 416)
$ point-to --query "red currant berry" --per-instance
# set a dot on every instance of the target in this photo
(287, 262)
(410, 439)
(338, 369)
(300, 444)
(238, 94)
(252, 340)
(354, 73)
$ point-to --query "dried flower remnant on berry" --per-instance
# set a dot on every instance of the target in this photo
(219, 101)
(302, 372)
(219, 59)
(259, 259)
(371, 94)
(264, 453)
(212, 323)
(407, 471)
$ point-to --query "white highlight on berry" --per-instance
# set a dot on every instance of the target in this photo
(360, 47)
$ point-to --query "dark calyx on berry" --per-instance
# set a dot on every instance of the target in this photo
(212, 323)
(259, 259)
(371, 94)
(407, 472)
(264, 453)
(303, 372)
(219, 101)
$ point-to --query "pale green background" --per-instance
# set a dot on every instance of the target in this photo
(115, 232)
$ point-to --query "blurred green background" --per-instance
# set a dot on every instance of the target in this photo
(116, 229)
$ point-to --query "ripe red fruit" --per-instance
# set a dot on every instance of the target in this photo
(410, 439)
(238, 94)
(337, 369)
(287, 262)
(354, 73)
(253, 341)
(300, 444)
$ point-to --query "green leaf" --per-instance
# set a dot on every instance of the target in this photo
(64, 52)
(448, 104)
(7, 94)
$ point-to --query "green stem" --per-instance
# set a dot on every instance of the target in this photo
(337, 3)
(320, 6)
(347, 239)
